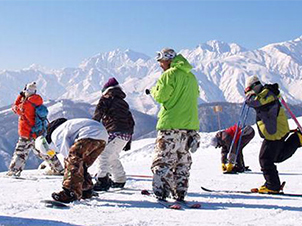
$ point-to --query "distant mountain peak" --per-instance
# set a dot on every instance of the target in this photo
(113, 58)
(221, 47)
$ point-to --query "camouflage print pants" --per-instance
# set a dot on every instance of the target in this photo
(82, 155)
(23, 147)
(171, 163)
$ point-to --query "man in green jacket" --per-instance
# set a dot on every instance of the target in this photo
(272, 124)
(177, 92)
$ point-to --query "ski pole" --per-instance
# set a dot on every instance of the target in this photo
(290, 112)
(236, 131)
(240, 137)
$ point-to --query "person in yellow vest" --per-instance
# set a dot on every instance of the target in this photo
(278, 144)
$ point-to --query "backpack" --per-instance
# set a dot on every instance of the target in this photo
(41, 121)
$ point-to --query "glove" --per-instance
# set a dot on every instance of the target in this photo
(249, 92)
(193, 142)
(22, 94)
(223, 167)
(229, 167)
(147, 91)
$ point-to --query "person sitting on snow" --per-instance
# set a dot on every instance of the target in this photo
(223, 139)
(113, 111)
(272, 123)
(80, 141)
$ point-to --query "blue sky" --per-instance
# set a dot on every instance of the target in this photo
(60, 34)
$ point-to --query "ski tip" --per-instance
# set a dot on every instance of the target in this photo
(254, 190)
(196, 206)
(205, 189)
(175, 207)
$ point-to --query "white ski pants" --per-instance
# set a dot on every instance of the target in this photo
(109, 160)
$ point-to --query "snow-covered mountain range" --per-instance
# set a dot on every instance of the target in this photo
(221, 70)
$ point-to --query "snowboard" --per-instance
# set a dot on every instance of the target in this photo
(55, 204)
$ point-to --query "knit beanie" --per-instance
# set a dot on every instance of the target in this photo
(111, 83)
(30, 88)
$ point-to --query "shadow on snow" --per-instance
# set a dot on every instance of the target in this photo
(19, 221)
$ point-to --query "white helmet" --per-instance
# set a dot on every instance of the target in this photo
(214, 141)
(166, 54)
(42, 146)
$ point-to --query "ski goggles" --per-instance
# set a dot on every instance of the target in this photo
(248, 89)
(169, 55)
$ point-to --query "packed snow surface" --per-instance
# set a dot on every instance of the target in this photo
(21, 199)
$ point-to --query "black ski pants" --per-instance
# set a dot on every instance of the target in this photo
(276, 151)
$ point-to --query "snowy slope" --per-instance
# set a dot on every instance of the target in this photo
(221, 69)
(20, 199)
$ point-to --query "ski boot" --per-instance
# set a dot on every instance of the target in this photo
(264, 190)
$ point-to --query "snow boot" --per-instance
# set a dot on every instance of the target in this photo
(238, 169)
(14, 173)
(247, 168)
(117, 185)
(65, 196)
(161, 195)
(102, 183)
(223, 167)
(180, 196)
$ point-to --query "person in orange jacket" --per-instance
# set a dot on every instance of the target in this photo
(24, 106)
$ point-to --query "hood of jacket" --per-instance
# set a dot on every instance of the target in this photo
(181, 63)
(115, 92)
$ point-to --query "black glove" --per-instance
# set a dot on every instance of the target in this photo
(127, 146)
(22, 94)
(147, 91)
(273, 87)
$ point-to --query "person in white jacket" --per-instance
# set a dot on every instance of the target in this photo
(80, 141)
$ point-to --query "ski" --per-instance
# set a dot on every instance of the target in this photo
(251, 192)
(172, 205)
(165, 203)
